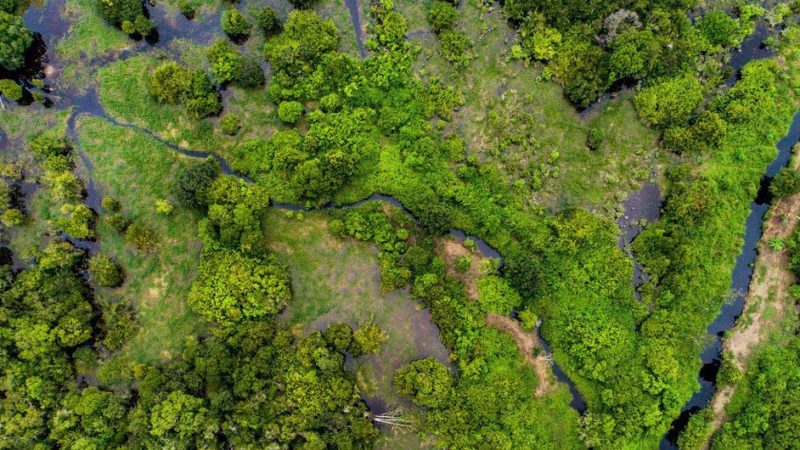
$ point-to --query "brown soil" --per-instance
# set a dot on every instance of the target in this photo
(768, 287)
(450, 251)
(526, 343)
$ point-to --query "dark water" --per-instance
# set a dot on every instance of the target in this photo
(355, 17)
(578, 403)
(752, 48)
(742, 272)
(642, 206)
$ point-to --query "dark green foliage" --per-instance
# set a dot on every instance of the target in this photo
(268, 21)
(234, 215)
(105, 271)
(234, 24)
(11, 6)
(442, 16)
(301, 4)
(248, 73)
(339, 335)
(110, 203)
(785, 183)
(127, 15)
(93, 418)
(15, 39)
(141, 237)
(187, 8)
(119, 325)
(192, 183)
(117, 222)
(581, 67)
(426, 381)
(697, 431)
(47, 145)
(201, 99)
(595, 137)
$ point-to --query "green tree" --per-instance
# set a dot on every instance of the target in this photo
(290, 112)
(442, 16)
(182, 419)
(786, 182)
(105, 271)
(15, 39)
(669, 102)
(234, 24)
(268, 21)
(367, 339)
(76, 221)
(427, 381)
(11, 89)
(192, 183)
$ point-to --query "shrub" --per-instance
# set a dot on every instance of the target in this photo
(110, 204)
(528, 319)
(193, 182)
(719, 28)
(224, 60)
(368, 339)
(290, 112)
(785, 183)
(169, 83)
(119, 324)
(163, 207)
(12, 217)
(495, 294)
(187, 8)
(15, 39)
(202, 100)
(339, 336)
(141, 237)
(47, 145)
(117, 222)
(76, 221)
(669, 102)
(427, 381)
(229, 124)
(64, 186)
(728, 372)
(234, 23)
(455, 46)
(11, 89)
(248, 73)
(128, 15)
(539, 41)
(442, 16)
(104, 271)
(595, 137)
(267, 21)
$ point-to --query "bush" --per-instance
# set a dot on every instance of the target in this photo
(202, 100)
(595, 137)
(495, 294)
(169, 83)
(193, 182)
(47, 145)
(539, 41)
(104, 271)
(339, 336)
(463, 263)
(368, 339)
(670, 102)
(11, 89)
(785, 183)
(117, 222)
(719, 28)
(12, 217)
(234, 24)
(110, 204)
(528, 319)
(442, 16)
(224, 59)
(141, 237)
(163, 207)
(128, 15)
(290, 112)
(248, 73)
(427, 381)
(187, 8)
(77, 221)
(119, 324)
(455, 46)
(267, 21)
(229, 124)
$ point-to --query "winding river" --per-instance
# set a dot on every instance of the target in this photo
(643, 205)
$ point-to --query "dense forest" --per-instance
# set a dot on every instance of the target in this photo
(398, 224)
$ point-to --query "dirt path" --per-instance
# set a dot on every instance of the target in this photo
(526, 343)
(768, 288)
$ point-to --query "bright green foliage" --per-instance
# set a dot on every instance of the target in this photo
(268, 21)
(785, 183)
(290, 112)
(463, 263)
(455, 46)
(427, 381)
(233, 287)
(10, 89)
(528, 319)
(634, 54)
(367, 339)
(224, 59)
(538, 40)
(496, 295)
(15, 39)
(442, 16)
(669, 102)
(182, 418)
(234, 24)
(580, 66)
(141, 237)
(173, 83)
(229, 124)
(46, 145)
(104, 270)
(719, 28)
(234, 214)
(12, 217)
(306, 37)
(76, 221)
(164, 207)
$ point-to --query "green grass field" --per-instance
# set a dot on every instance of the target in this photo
(136, 170)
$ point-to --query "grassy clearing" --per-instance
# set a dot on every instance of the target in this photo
(335, 280)
(137, 173)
